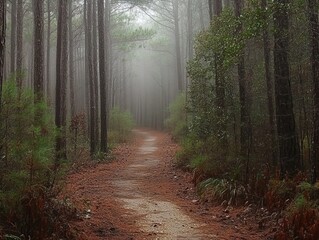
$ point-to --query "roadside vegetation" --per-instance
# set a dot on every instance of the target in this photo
(226, 126)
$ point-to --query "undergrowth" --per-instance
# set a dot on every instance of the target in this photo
(28, 179)
(121, 124)
(221, 176)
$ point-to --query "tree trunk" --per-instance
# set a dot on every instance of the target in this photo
(227, 3)
(314, 33)
(2, 43)
(190, 29)
(287, 139)
(39, 49)
(178, 46)
(201, 14)
(71, 60)
(20, 43)
(245, 130)
(218, 7)
(95, 72)
(220, 88)
(210, 9)
(61, 79)
(270, 91)
(87, 80)
(91, 77)
(13, 35)
(104, 72)
(48, 48)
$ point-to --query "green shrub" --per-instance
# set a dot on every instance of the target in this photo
(190, 149)
(121, 124)
(27, 133)
(176, 122)
(213, 189)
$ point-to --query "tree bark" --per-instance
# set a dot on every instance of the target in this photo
(48, 49)
(314, 34)
(19, 43)
(2, 43)
(104, 71)
(245, 129)
(61, 79)
(95, 71)
(190, 29)
(287, 139)
(91, 77)
(220, 87)
(13, 35)
(71, 60)
(218, 7)
(270, 91)
(210, 10)
(178, 46)
(201, 14)
(39, 49)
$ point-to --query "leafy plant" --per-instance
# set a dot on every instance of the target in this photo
(26, 167)
(213, 189)
(121, 124)
(176, 122)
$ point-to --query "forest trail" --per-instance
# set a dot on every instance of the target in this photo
(162, 219)
(142, 196)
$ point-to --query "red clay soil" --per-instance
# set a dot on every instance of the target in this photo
(141, 195)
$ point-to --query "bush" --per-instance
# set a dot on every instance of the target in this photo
(221, 189)
(121, 124)
(176, 122)
(301, 220)
(26, 152)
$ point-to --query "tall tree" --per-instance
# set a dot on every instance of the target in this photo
(210, 10)
(95, 71)
(88, 32)
(104, 72)
(13, 35)
(218, 7)
(201, 14)
(190, 29)
(2, 43)
(245, 124)
(220, 85)
(269, 82)
(19, 43)
(178, 45)
(287, 139)
(71, 59)
(48, 48)
(61, 79)
(314, 33)
(39, 48)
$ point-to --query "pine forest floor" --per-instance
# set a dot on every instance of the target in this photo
(141, 195)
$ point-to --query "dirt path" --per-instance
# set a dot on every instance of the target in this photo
(142, 196)
(163, 219)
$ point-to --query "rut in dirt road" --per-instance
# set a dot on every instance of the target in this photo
(161, 219)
